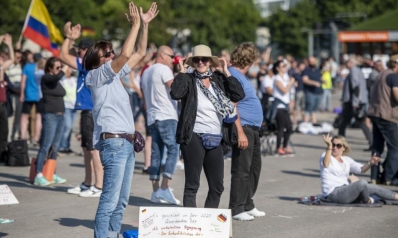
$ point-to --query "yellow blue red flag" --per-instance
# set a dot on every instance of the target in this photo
(40, 29)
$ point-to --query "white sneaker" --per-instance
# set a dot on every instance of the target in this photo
(180, 165)
(243, 217)
(154, 199)
(93, 192)
(256, 213)
(167, 195)
(77, 190)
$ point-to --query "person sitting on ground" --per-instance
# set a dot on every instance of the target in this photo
(337, 185)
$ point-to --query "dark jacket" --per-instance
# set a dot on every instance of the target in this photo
(53, 93)
(184, 88)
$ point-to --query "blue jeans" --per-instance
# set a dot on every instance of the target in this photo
(69, 121)
(385, 132)
(51, 134)
(311, 102)
(117, 157)
(163, 134)
(326, 100)
(137, 106)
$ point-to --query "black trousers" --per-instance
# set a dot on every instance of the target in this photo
(3, 127)
(347, 115)
(284, 127)
(245, 173)
(195, 156)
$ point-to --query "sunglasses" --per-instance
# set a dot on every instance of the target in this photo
(196, 60)
(171, 56)
(108, 54)
(58, 68)
(339, 146)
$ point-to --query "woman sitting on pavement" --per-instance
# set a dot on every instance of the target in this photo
(281, 93)
(337, 185)
(206, 102)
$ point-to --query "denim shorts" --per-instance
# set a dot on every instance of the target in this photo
(312, 101)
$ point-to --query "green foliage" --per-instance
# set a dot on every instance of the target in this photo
(220, 24)
(287, 26)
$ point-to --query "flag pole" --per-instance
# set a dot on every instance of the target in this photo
(26, 21)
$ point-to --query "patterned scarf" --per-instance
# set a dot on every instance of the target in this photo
(223, 105)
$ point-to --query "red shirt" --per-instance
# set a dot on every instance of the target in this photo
(3, 95)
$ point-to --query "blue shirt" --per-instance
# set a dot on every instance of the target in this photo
(249, 108)
(112, 110)
(314, 75)
(83, 94)
(31, 87)
(299, 80)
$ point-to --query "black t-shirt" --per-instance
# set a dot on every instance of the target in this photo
(392, 80)
(53, 93)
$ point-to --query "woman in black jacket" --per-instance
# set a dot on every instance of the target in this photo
(52, 119)
(207, 103)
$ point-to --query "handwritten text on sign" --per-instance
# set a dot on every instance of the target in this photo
(170, 222)
(6, 196)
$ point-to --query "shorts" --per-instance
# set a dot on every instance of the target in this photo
(312, 102)
(27, 107)
(300, 101)
(87, 129)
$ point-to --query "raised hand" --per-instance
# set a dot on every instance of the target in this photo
(223, 64)
(8, 39)
(76, 31)
(150, 14)
(133, 17)
(183, 66)
(2, 38)
(328, 140)
(67, 29)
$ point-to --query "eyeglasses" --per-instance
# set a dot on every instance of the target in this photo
(196, 60)
(171, 56)
(108, 54)
(339, 146)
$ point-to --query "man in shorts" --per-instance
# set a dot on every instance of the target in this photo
(92, 162)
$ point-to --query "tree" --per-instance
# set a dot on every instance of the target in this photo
(288, 28)
(219, 24)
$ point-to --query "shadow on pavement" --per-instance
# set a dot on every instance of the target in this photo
(3, 234)
(77, 165)
(300, 173)
(288, 198)
(309, 146)
(73, 222)
(143, 202)
(23, 182)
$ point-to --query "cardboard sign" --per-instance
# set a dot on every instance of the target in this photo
(6, 196)
(171, 222)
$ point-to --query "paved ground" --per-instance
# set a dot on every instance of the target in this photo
(50, 212)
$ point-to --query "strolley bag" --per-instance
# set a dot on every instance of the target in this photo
(17, 153)
(48, 169)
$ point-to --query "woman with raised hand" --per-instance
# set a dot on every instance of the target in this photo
(207, 101)
(337, 185)
(114, 132)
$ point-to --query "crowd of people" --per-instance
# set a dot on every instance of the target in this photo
(198, 110)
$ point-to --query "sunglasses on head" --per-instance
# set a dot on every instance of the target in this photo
(108, 54)
(339, 146)
(196, 60)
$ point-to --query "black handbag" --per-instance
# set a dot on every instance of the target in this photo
(17, 153)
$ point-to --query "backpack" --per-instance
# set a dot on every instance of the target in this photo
(17, 153)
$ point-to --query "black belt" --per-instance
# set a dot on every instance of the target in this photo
(255, 128)
(129, 137)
